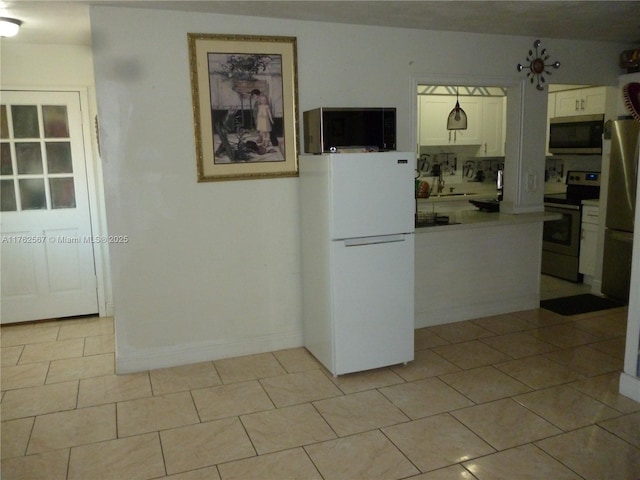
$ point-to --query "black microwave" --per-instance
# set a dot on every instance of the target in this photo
(329, 130)
(581, 134)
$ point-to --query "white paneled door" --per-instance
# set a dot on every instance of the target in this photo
(47, 249)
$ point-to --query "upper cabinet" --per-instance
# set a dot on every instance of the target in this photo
(493, 127)
(434, 112)
(551, 112)
(584, 101)
(485, 123)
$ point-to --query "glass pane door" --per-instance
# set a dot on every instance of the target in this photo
(47, 255)
(36, 168)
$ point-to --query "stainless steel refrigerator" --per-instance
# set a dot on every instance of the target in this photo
(621, 202)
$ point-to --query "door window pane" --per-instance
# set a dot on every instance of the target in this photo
(62, 192)
(59, 157)
(32, 194)
(55, 121)
(7, 196)
(25, 121)
(4, 126)
(5, 159)
(29, 157)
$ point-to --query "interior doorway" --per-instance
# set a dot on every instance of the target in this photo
(47, 246)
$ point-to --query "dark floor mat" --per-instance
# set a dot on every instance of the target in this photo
(577, 304)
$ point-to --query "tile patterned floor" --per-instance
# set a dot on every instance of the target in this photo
(530, 395)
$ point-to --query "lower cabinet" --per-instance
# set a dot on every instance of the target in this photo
(588, 240)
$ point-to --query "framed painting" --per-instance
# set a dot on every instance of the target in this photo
(245, 106)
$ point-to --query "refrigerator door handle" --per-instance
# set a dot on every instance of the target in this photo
(622, 236)
(357, 242)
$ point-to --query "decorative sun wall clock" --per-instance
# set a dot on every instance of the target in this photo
(537, 65)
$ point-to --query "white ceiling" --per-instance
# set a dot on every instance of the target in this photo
(67, 22)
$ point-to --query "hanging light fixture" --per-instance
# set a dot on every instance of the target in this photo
(9, 27)
(457, 118)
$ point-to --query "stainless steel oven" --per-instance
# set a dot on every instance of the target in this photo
(563, 235)
(561, 242)
(561, 238)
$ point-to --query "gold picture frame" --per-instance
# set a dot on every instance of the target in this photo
(245, 106)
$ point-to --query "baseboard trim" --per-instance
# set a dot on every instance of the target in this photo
(497, 306)
(630, 386)
(164, 357)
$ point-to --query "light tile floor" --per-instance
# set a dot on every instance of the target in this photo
(530, 395)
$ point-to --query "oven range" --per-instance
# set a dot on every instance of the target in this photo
(561, 238)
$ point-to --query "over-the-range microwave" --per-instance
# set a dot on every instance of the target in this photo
(328, 130)
(581, 134)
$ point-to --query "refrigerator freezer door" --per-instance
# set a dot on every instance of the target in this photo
(616, 269)
(373, 303)
(372, 194)
(623, 172)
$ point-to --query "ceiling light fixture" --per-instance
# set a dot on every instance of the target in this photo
(457, 119)
(9, 27)
(537, 65)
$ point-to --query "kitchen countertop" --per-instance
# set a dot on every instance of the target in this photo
(466, 219)
(456, 197)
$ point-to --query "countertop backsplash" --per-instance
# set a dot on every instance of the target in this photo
(458, 164)
(460, 173)
(557, 166)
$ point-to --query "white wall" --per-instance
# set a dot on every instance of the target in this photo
(213, 269)
(67, 68)
(31, 65)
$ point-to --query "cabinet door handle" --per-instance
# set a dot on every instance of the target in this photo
(582, 104)
(577, 104)
(622, 237)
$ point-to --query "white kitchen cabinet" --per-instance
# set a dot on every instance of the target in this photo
(551, 112)
(588, 240)
(432, 121)
(433, 114)
(583, 101)
(492, 127)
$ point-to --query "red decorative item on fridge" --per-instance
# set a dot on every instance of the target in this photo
(631, 95)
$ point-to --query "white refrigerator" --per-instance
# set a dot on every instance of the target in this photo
(357, 216)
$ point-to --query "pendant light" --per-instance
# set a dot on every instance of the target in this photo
(457, 118)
